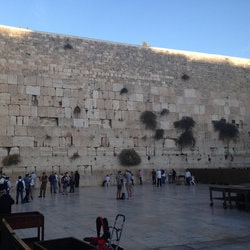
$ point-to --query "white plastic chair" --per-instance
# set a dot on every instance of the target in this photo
(192, 180)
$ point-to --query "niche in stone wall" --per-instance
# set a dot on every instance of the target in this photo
(77, 111)
(34, 100)
(104, 141)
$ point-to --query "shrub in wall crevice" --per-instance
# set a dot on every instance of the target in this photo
(149, 119)
(129, 157)
(11, 160)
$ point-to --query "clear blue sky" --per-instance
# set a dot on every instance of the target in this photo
(209, 26)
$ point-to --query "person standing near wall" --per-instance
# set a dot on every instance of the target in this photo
(119, 183)
(8, 185)
(77, 179)
(173, 176)
(140, 176)
(20, 187)
(153, 177)
(158, 177)
(188, 177)
(27, 181)
(128, 178)
(44, 181)
(52, 181)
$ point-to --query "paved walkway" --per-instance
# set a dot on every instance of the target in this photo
(170, 217)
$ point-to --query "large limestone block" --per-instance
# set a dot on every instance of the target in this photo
(21, 131)
(4, 110)
(23, 141)
(4, 98)
(190, 93)
(12, 79)
(45, 151)
(33, 90)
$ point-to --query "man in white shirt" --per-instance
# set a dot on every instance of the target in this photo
(158, 177)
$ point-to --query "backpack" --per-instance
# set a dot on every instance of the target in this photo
(101, 241)
(20, 185)
(123, 196)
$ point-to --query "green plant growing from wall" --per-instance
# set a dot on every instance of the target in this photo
(164, 112)
(129, 157)
(159, 134)
(13, 159)
(149, 119)
(67, 46)
(186, 138)
(123, 91)
(186, 123)
(185, 77)
(227, 132)
(75, 156)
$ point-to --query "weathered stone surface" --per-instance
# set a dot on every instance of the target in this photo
(42, 83)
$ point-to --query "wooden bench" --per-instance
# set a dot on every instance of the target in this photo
(16, 221)
(241, 197)
(10, 240)
(63, 244)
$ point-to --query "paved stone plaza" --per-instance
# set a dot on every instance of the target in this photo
(169, 217)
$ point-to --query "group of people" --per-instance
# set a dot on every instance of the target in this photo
(24, 186)
(59, 182)
(126, 181)
(159, 177)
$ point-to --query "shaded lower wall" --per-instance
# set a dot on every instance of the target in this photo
(222, 175)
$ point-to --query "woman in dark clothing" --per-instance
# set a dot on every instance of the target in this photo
(77, 179)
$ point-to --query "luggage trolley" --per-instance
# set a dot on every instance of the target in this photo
(116, 232)
(111, 235)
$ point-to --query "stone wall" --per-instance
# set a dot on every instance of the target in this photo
(70, 103)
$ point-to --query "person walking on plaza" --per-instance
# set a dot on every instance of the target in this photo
(20, 187)
(44, 181)
(6, 201)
